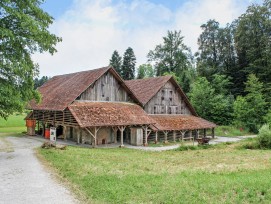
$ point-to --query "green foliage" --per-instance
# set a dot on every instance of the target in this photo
(24, 31)
(250, 109)
(190, 147)
(128, 65)
(145, 71)
(211, 102)
(267, 117)
(264, 136)
(231, 131)
(253, 40)
(39, 82)
(116, 62)
(171, 56)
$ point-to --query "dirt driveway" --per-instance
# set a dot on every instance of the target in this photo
(23, 179)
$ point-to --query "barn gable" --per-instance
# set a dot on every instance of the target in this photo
(161, 95)
(107, 88)
(62, 90)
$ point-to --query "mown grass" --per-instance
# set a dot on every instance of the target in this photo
(220, 174)
(14, 124)
(231, 131)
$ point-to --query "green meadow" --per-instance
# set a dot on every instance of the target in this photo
(225, 173)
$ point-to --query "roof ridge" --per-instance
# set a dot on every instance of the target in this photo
(73, 73)
(157, 77)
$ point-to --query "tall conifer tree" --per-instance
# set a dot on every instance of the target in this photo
(128, 66)
(116, 61)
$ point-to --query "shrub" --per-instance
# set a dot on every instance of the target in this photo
(264, 136)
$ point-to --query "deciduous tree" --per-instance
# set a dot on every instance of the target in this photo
(24, 31)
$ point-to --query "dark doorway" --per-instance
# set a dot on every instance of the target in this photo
(103, 141)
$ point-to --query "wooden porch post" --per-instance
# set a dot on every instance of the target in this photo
(64, 133)
(174, 136)
(94, 135)
(115, 130)
(166, 133)
(121, 128)
(182, 134)
(213, 132)
(197, 134)
(156, 137)
(147, 133)
(78, 138)
(190, 134)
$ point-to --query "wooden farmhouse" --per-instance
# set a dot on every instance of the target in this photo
(98, 107)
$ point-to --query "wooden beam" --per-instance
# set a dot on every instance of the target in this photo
(166, 133)
(174, 136)
(115, 130)
(156, 137)
(94, 135)
(213, 132)
(121, 128)
(147, 133)
(182, 134)
(197, 134)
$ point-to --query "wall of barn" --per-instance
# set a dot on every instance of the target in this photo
(106, 88)
(167, 101)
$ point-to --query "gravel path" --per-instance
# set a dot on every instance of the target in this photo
(22, 177)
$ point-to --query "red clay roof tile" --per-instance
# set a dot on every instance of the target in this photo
(91, 114)
(180, 122)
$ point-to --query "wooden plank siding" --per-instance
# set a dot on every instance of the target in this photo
(167, 101)
(58, 117)
(106, 88)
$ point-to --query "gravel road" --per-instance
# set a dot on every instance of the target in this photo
(23, 179)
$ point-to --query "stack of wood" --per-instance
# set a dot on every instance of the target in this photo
(48, 145)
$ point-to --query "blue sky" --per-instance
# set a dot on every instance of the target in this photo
(92, 29)
(57, 7)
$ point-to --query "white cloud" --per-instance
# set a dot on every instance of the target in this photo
(93, 29)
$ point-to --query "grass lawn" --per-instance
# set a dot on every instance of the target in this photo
(229, 131)
(220, 174)
(14, 124)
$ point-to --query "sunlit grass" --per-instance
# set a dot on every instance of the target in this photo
(220, 174)
(14, 124)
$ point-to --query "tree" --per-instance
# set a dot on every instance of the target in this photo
(145, 71)
(24, 31)
(128, 66)
(253, 44)
(211, 102)
(115, 62)
(217, 54)
(171, 56)
(249, 111)
(39, 82)
(208, 60)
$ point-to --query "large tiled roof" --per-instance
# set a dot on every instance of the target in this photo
(62, 90)
(146, 89)
(91, 114)
(180, 122)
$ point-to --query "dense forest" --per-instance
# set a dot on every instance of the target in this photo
(228, 80)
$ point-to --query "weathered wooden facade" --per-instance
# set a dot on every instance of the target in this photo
(97, 107)
(165, 102)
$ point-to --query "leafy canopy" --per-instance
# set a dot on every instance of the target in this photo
(249, 110)
(24, 31)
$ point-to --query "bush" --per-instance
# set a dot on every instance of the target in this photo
(264, 136)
